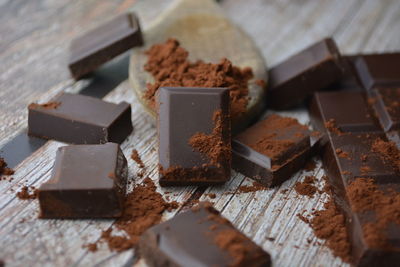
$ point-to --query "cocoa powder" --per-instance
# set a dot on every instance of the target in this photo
(365, 196)
(388, 151)
(4, 170)
(169, 65)
(307, 187)
(27, 193)
(143, 208)
(135, 156)
(49, 105)
(212, 146)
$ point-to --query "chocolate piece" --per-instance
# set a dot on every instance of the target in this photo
(80, 119)
(350, 157)
(87, 181)
(348, 111)
(271, 150)
(386, 102)
(104, 43)
(312, 69)
(200, 237)
(349, 80)
(379, 70)
(194, 136)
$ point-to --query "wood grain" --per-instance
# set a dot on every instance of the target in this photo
(34, 37)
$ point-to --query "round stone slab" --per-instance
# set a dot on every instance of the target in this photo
(203, 30)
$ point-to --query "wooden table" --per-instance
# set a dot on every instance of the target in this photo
(34, 38)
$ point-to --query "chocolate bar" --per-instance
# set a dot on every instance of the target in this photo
(379, 70)
(80, 119)
(386, 103)
(102, 44)
(312, 69)
(200, 237)
(364, 178)
(272, 150)
(194, 136)
(345, 111)
(87, 181)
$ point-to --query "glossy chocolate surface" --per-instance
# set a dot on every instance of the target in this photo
(386, 103)
(314, 68)
(183, 112)
(379, 70)
(188, 240)
(349, 111)
(81, 119)
(273, 167)
(100, 45)
(87, 181)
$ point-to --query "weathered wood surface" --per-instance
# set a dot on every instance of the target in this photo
(34, 37)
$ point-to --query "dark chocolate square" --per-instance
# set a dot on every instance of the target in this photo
(386, 103)
(314, 68)
(104, 43)
(80, 119)
(192, 239)
(183, 113)
(87, 181)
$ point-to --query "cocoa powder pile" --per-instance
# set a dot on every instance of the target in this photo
(307, 187)
(4, 170)
(169, 65)
(365, 196)
(143, 208)
(388, 151)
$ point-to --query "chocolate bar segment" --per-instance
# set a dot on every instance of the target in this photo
(347, 111)
(379, 70)
(194, 136)
(104, 43)
(363, 173)
(200, 237)
(312, 69)
(386, 103)
(271, 150)
(87, 181)
(80, 119)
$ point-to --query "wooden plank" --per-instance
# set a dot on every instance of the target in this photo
(279, 28)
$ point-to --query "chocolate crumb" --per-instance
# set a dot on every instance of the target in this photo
(27, 193)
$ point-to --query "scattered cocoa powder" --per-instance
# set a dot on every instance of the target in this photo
(27, 193)
(169, 65)
(365, 196)
(213, 146)
(330, 125)
(135, 156)
(388, 151)
(92, 247)
(365, 170)
(251, 188)
(310, 165)
(342, 154)
(48, 105)
(307, 187)
(303, 218)
(143, 208)
(3, 168)
(329, 224)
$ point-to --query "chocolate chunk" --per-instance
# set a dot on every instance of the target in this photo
(194, 136)
(200, 237)
(271, 150)
(312, 69)
(100, 45)
(80, 119)
(349, 80)
(349, 160)
(386, 102)
(379, 70)
(346, 111)
(87, 181)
